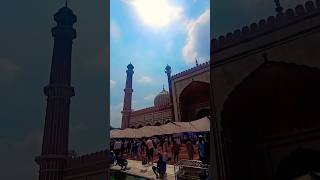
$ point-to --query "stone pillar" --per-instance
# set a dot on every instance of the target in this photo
(218, 166)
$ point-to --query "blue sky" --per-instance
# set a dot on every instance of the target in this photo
(150, 35)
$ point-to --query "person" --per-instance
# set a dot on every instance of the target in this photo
(123, 163)
(139, 150)
(113, 157)
(117, 147)
(201, 149)
(155, 146)
(175, 150)
(178, 140)
(165, 145)
(161, 168)
(207, 148)
(122, 148)
(190, 149)
(150, 150)
(111, 144)
(132, 148)
(125, 146)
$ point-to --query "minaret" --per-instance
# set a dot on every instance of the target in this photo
(168, 72)
(58, 92)
(127, 98)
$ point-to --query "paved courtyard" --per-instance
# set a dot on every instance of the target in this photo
(137, 169)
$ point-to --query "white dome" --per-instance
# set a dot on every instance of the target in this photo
(163, 98)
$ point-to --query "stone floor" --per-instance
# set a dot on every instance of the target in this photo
(137, 169)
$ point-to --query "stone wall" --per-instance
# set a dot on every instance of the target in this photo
(94, 166)
(151, 116)
(292, 37)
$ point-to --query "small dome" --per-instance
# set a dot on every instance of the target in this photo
(65, 16)
(163, 98)
(130, 66)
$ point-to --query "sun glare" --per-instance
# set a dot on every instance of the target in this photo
(156, 13)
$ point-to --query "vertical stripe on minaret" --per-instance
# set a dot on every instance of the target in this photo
(126, 112)
(58, 91)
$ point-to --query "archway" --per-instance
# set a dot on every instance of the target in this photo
(132, 127)
(273, 101)
(148, 124)
(194, 97)
(157, 124)
(140, 126)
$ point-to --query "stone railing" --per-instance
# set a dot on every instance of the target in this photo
(290, 16)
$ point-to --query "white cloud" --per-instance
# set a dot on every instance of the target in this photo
(115, 115)
(149, 97)
(115, 32)
(112, 83)
(156, 13)
(168, 45)
(145, 80)
(8, 70)
(198, 39)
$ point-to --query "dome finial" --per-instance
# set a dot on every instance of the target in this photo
(196, 61)
(279, 8)
(163, 87)
(66, 4)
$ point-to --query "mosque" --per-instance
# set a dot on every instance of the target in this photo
(263, 83)
(186, 100)
(265, 98)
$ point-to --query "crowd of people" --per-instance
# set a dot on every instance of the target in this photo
(164, 149)
(169, 146)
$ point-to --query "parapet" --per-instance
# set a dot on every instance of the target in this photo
(88, 159)
(191, 70)
(290, 16)
(150, 109)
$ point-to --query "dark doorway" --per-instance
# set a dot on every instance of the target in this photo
(275, 100)
(203, 113)
(194, 96)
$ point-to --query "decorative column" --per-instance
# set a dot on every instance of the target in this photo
(126, 112)
(58, 92)
(168, 72)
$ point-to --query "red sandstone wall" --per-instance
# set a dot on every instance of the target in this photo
(94, 166)
(151, 116)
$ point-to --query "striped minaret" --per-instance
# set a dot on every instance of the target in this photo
(56, 129)
(126, 112)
